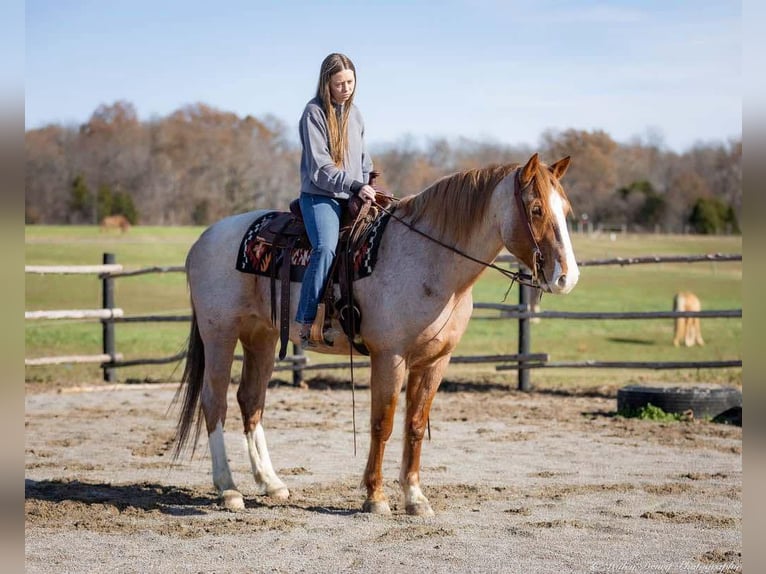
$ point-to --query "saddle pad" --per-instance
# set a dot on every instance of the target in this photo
(259, 258)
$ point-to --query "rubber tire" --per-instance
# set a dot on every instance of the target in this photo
(705, 401)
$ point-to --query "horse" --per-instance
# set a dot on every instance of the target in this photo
(687, 328)
(115, 222)
(415, 307)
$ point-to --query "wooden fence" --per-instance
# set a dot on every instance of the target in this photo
(523, 361)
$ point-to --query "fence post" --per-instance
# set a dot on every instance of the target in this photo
(297, 373)
(525, 297)
(107, 325)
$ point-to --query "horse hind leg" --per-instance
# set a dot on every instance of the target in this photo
(256, 372)
(218, 360)
(680, 322)
(698, 333)
(421, 389)
(693, 334)
(680, 331)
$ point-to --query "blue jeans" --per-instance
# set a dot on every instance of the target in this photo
(321, 216)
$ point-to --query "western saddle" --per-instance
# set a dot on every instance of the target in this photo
(287, 232)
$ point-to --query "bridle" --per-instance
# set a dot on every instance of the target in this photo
(537, 255)
(522, 278)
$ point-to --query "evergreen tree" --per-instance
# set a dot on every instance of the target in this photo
(104, 201)
(81, 200)
(710, 215)
(122, 204)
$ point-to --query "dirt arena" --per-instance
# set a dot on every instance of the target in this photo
(520, 482)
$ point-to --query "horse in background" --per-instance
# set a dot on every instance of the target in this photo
(115, 222)
(687, 328)
(415, 307)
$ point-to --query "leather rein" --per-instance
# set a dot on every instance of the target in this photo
(530, 280)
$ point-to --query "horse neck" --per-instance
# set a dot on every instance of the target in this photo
(458, 273)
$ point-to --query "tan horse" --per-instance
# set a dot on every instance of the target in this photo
(115, 222)
(687, 328)
(415, 307)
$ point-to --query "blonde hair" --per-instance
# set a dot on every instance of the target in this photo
(337, 131)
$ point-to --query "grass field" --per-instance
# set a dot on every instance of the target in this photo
(647, 287)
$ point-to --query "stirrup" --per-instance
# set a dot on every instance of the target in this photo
(304, 337)
(316, 334)
(328, 338)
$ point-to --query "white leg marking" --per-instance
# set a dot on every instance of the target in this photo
(221, 473)
(222, 479)
(266, 479)
(416, 502)
(413, 494)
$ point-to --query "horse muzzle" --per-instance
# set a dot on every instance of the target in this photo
(562, 283)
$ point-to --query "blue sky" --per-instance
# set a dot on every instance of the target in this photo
(496, 70)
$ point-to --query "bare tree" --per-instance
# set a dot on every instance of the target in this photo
(199, 164)
(592, 177)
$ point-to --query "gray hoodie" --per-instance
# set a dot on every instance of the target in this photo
(319, 175)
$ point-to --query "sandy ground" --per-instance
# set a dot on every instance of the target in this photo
(520, 482)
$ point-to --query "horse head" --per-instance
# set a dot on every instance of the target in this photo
(536, 232)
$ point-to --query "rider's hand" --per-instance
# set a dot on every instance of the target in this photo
(367, 193)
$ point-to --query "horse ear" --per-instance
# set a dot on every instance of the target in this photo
(559, 168)
(528, 171)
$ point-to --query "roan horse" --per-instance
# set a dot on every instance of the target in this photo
(415, 308)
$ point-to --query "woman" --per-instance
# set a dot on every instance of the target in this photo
(334, 166)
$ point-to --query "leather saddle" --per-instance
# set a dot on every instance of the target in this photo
(286, 232)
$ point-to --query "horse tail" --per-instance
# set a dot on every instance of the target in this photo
(191, 380)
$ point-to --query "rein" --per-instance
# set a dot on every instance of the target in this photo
(529, 280)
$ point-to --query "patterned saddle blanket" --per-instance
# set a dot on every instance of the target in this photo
(259, 255)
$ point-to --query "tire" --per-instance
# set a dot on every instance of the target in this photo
(705, 401)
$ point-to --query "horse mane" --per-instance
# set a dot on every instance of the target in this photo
(455, 204)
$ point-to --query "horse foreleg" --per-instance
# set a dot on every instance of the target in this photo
(256, 372)
(386, 378)
(421, 389)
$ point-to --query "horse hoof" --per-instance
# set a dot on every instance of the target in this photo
(419, 509)
(376, 507)
(232, 500)
(279, 493)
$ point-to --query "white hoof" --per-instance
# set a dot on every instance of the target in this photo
(280, 493)
(420, 509)
(233, 500)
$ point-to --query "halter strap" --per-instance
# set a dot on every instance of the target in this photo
(537, 254)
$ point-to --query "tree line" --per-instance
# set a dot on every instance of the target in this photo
(199, 164)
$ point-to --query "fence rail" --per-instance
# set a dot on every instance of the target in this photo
(69, 359)
(655, 365)
(75, 314)
(622, 261)
(524, 360)
(114, 269)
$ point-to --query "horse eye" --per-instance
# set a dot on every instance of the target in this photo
(537, 211)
